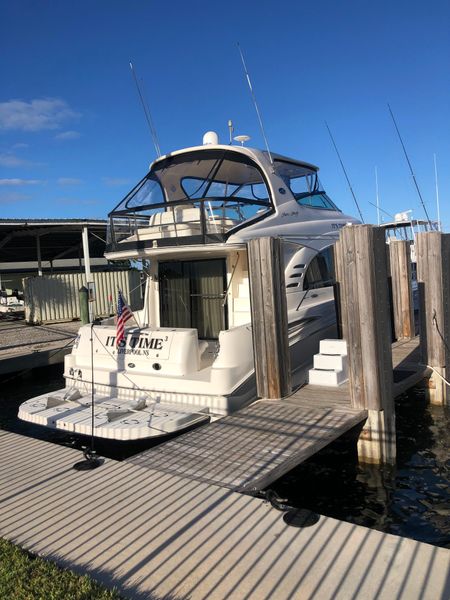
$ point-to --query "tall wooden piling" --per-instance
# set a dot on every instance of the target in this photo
(361, 270)
(402, 301)
(269, 317)
(433, 276)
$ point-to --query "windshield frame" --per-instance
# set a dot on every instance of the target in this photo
(219, 155)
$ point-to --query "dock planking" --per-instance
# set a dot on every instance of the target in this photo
(155, 535)
(250, 449)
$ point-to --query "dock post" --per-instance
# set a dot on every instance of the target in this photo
(433, 276)
(269, 317)
(402, 302)
(361, 270)
(83, 294)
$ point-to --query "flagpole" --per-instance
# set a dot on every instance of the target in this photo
(92, 460)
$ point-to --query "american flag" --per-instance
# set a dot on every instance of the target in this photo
(123, 314)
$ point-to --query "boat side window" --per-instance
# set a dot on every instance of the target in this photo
(320, 272)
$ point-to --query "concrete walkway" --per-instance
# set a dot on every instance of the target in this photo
(156, 535)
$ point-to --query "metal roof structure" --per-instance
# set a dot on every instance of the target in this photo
(42, 240)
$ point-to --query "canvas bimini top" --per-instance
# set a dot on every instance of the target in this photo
(208, 193)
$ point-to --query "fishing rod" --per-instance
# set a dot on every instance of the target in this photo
(345, 173)
(147, 113)
(410, 166)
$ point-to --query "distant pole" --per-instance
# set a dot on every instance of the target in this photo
(39, 256)
(378, 199)
(437, 194)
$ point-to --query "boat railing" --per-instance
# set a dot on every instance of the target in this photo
(204, 221)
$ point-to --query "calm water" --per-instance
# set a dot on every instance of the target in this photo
(411, 499)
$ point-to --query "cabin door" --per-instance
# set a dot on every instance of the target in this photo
(191, 294)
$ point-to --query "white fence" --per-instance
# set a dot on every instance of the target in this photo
(55, 298)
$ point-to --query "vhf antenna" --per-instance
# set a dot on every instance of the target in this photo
(255, 104)
(345, 172)
(147, 113)
(230, 130)
(410, 167)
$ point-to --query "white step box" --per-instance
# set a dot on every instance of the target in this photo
(333, 347)
(331, 362)
(331, 365)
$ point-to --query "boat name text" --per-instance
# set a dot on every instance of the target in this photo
(134, 345)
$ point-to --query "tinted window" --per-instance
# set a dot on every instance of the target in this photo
(320, 272)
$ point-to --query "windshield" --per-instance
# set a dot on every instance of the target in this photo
(304, 185)
(212, 175)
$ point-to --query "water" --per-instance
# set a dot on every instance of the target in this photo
(410, 499)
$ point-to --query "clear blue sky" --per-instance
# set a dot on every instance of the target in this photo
(73, 137)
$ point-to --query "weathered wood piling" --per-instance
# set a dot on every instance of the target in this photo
(364, 263)
(269, 317)
(433, 275)
(361, 271)
(401, 285)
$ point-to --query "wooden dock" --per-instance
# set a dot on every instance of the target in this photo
(407, 364)
(252, 448)
(26, 347)
(155, 535)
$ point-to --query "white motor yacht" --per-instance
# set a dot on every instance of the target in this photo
(187, 356)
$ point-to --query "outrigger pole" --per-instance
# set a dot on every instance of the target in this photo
(410, 167)
(252, 93)
(147, 113)
(437, 194)
(345, 173)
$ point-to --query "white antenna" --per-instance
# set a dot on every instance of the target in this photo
(255, 103)
(230, 129)
(437, 194)
(148, 116)
(378, 199)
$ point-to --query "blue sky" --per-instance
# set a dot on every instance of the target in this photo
(73, 137)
